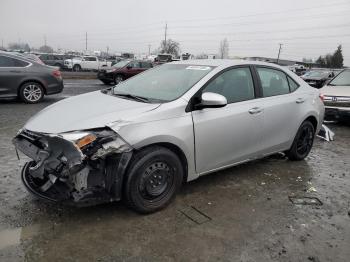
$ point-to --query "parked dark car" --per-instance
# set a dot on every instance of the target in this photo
(317, 78)
(27, 79)
(123, 70)
(54, 59)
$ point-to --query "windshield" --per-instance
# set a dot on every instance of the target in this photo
(316, 74)
(343, 79)
(121, 64)
(164, 83)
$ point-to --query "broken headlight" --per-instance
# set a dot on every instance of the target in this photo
(80, 139)
(97, 144)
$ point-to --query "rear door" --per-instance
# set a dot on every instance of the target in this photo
(89, 63)
(134, 68)
(281, 108)
(11, 72)
(233, 133)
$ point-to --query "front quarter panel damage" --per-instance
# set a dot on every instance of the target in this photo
(62, 171)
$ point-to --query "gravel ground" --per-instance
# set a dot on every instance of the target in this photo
(239, 214)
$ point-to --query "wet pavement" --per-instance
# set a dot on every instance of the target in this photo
(243, 213)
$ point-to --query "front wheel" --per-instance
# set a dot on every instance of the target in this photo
(154, 176)
(303, 142)
(118, 79)
(77, 68)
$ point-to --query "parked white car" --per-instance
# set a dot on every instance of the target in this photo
(87, 63)
(142, 138)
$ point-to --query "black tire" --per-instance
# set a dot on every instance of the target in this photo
(303, 142)
(77, 68)
(118, 78)
(106, 82)
(154, 176)
(31, 92)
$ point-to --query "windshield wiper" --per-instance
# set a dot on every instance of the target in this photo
(134, 97)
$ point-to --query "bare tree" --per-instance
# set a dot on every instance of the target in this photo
(223, 50)
(170, 47)
(46, 49)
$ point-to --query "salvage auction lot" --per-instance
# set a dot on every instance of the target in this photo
(244, 213)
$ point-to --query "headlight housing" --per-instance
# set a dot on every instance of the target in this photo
(80, 139)
(99, 143)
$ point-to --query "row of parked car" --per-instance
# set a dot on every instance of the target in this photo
(28, 78)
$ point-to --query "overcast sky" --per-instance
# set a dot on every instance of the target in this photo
(307, 28)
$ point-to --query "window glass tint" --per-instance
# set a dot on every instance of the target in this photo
(43, 57)
(166, 82)
(11, 62)
(235, 84)
(343, 79)
(292, 84)
(273, 82)
(134, 64)
(90, 58)
(146, 65)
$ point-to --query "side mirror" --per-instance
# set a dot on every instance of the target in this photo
(211, 100)
(128, 66)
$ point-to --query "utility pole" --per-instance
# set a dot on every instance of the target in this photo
(2, 43)
(279, 52)
(45, 40)
(107, 50)
(165, 35)
(149, 50)
(85, 41)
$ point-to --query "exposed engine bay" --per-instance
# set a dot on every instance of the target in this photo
(80, 168)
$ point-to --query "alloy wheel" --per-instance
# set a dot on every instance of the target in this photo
(304, 143)
(32, 93)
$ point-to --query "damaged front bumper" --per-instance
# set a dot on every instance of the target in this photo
(80, 168)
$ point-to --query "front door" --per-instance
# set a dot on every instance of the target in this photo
(231, 134)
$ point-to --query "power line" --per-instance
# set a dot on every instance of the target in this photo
(268, 13)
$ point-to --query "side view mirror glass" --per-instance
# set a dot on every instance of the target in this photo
(212, 100)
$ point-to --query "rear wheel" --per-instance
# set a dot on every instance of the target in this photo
(154, 176)
(31, 92)
(118, 79)
(303, 142)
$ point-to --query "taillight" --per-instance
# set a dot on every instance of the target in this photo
(57, 74)
(321, 97)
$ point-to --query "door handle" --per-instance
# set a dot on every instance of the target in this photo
(254, 110)
(300, 100)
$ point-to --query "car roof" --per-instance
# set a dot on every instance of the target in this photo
(223, 62)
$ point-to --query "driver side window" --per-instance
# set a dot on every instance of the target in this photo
(235, 84)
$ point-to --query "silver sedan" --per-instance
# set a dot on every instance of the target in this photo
(140, 140)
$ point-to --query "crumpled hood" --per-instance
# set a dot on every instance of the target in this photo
(90, 110)
(336, 91)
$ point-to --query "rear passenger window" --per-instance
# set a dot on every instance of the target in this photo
(273, 82)
(235, 84)
(146, 65)
(292, 84)
(11, 62)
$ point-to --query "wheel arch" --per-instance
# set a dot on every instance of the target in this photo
(31, 80)
(313, 121)
(175, 149)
